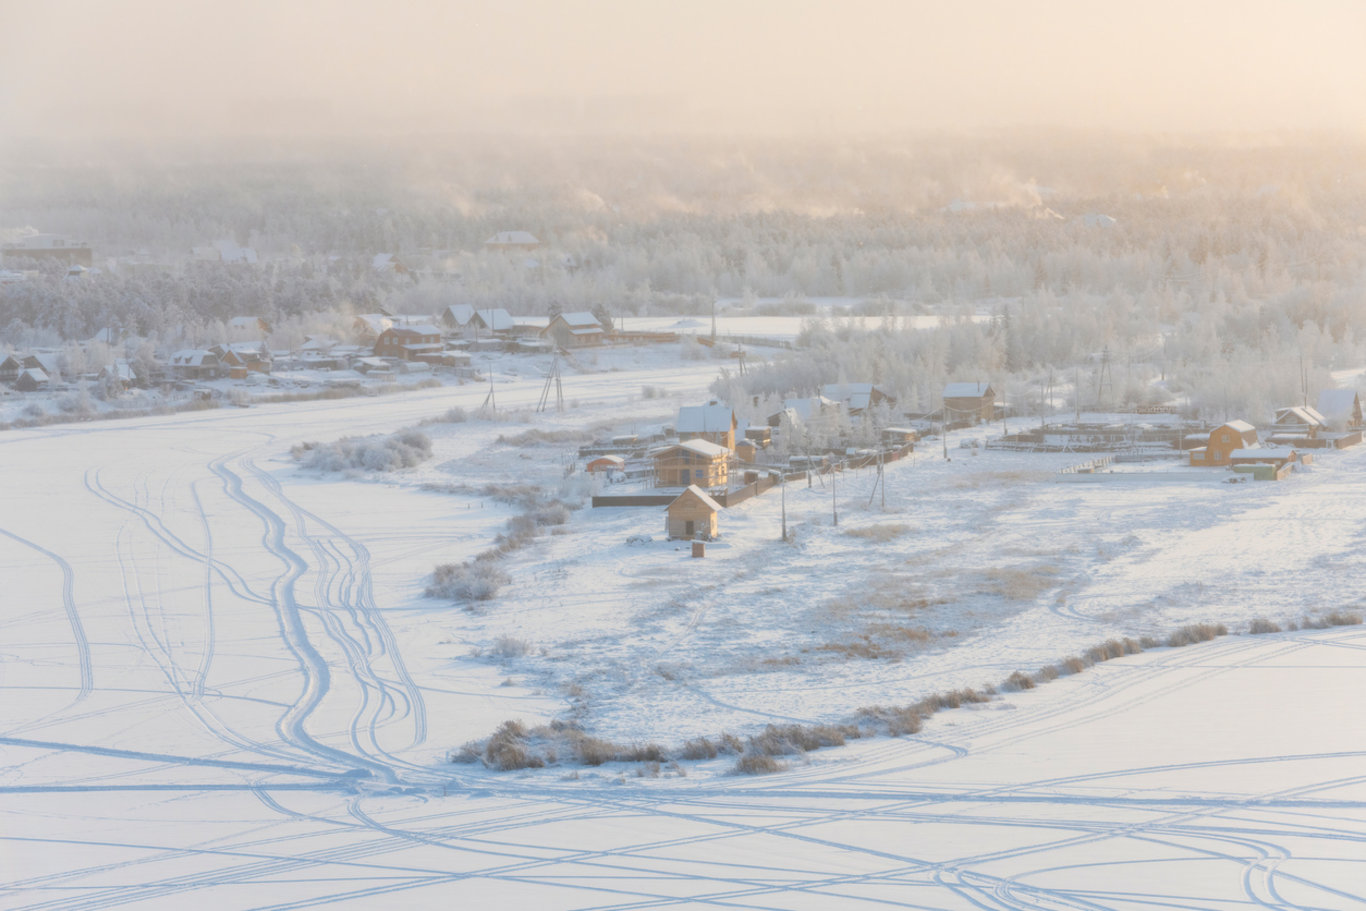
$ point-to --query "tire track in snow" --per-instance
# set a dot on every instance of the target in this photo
(73, 617)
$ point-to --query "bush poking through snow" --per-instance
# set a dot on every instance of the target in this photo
(477, 580)
(1336, 618)
(757, 764)
(400, 450)
(1196, 632)
(1261, 626)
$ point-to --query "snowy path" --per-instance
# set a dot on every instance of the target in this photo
(215, 687)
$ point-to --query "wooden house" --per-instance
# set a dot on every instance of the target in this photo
(1223, 441)
(898, 436)
(712, 422)
(1296, 425)
(369, 326)
(692, 515)
(973, 403)
(574, 330)
(456, 317)
(10, 368)
(410, 343)
(1341, 408)
(857, 397)
(692, 462)
(31, 379)
(492, 322)
(196, 364)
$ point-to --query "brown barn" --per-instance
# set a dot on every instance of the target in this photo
(973, 402)
(1223, 441)
(692, 462)
(692, 515)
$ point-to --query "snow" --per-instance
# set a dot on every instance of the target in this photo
(220, 682)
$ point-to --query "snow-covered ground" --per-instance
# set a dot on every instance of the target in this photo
(220, 682)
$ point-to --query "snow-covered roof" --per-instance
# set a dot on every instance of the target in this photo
(856, 396)
(581, 319)
(460, 314)
(966, 390)
(1264, 454)
(383, 262)
(496, 320)
(420, 329)
(615, 460)
(245, 322)
(1300, 414)
(805, 408)
(1337, 404)
(191, 357)
(35, 374)
(699, 493)
(512, 239)
(43, 242)
(1240, 426)
(701, 447)
(705, 419)
(45, 361)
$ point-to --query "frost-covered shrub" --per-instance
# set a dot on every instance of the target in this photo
(404, 449)
(477, 580)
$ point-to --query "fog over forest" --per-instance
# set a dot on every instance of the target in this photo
(1208, 266)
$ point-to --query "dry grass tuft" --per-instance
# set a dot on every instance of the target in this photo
(1261, 626)
(879, 533)
(1196, 632)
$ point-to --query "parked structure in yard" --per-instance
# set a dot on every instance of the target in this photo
(1341, 408)
(857, 397)
(410, 343)
(971, 402)
(712, 422)
(1223, 441)
(692, 515)
(692, 462)
(580, 329)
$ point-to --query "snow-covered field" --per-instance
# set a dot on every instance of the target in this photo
(220, 682)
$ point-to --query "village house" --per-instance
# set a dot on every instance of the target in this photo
(456, 317)
(857, 398)
(369, 326)
(692, 515)
(804, 411)
(1340, 408)
(580, 329)
(973, 403)
(243, 358)
(44, 361)
(713, 422)
(1296, 425)
(692, 462)
(10, 368)
(410, 343)
(196, 364)
(1223, 441)
(31, 379)
(388, 264)
(512, 241)
(493, 322)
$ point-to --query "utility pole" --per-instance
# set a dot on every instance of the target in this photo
(782, 482)
(834, 507)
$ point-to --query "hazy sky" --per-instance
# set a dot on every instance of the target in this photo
(169, 67)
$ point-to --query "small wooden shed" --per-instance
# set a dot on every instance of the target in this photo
(607, 463)
(692, 515)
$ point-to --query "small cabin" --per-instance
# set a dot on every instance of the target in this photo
(606, 464)
(692, 516)
(1223, 441)
(974, 403)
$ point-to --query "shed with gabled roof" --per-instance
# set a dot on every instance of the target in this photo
(692, 515)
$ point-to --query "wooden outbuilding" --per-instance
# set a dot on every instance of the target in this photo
(692, 515)
(692, 462)
(607, 463)
(971, 402)
(410, 343)
(574, 330)
(1223, 441)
